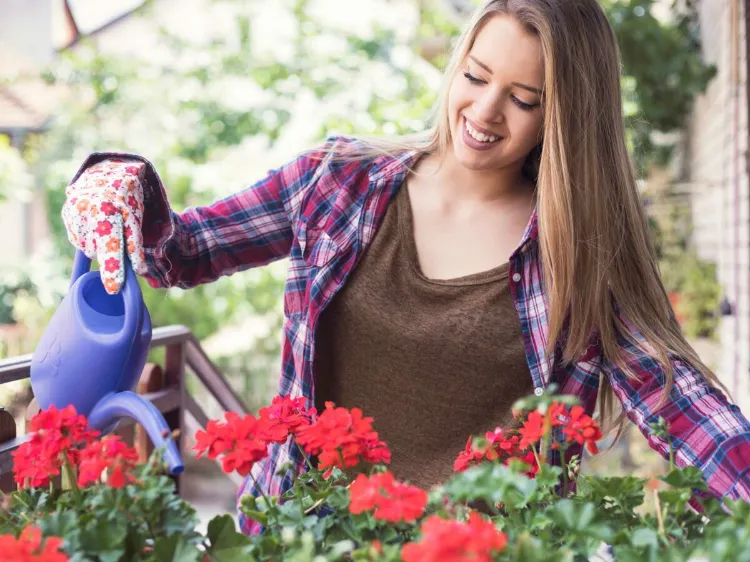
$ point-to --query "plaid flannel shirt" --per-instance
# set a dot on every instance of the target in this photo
(322, 214)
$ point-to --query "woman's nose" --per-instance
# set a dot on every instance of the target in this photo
(489, 109)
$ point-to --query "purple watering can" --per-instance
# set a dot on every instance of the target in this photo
(92, 354)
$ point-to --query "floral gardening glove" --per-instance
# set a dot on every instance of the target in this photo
(102, 205)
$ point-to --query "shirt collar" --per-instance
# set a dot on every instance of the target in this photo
(389, 166)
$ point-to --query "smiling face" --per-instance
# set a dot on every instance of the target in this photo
(494, 101)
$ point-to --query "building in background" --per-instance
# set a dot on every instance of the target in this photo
(33, 33)
(712, 168)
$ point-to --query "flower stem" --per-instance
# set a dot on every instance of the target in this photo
(671, 453)
(270, 506)
(307, 458)
(536, 455)
(564, 463)
(659, 516)
(69, 480)
(314, 506)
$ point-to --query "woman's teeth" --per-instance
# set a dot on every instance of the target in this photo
(476, 135)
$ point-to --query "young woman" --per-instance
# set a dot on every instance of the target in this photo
(436, 279)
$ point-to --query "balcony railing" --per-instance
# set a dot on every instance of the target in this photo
(164, 385)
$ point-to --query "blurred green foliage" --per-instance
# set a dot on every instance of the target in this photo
(663, 72)
(14, 175)
(700, 295)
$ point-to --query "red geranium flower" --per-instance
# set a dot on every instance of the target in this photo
(502, 445)
(582, 429)
(69, 424)
(530, 459)
(557, 414)
(215, 440)
(29, 548)
(455, 541)
(498, 446)
(470, 456)
(342, 438)
(108, 453)
(534, 429)
(244, 455)
(242, 440)
(285, 416)
(392, 501)
(55, 438)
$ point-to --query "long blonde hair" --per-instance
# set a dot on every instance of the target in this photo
(593, 236)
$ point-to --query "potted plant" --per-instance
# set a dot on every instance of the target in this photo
(505, 502)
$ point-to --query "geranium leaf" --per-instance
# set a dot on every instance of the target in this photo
(223, 534)
(175, 548)
(688, 477)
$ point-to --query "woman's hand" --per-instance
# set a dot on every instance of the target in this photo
(103, 214)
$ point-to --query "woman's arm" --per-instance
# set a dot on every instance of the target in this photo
(247, 229)
(705, 430)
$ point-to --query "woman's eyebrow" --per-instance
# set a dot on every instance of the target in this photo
(537, 91)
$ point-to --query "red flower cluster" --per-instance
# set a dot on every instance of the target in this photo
(342, 438)
(107, 454)
(243, 441)
(496, 446)
(29, 548)
(538, 425)
(56, 438)
(477, 540)
(582, 429)
(287, 414)
(501, 447)
(392, 501)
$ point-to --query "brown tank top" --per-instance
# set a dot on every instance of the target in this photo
(433, 361)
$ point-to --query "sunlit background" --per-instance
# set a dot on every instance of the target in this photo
(217, 92)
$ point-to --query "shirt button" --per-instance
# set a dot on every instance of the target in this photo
(516, 277)
(538, 391)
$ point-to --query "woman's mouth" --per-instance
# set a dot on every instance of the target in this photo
(474, 137)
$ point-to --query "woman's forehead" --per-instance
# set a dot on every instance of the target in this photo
(503, 45)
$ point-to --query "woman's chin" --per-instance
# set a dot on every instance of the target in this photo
(476, 161)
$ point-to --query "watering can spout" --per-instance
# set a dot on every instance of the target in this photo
(116, 405)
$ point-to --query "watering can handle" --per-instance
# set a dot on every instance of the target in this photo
(81, 266)
(131, 292)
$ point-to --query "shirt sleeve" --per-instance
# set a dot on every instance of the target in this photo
(250, 228)
(705, 429)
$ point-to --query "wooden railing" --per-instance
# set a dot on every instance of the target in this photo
(165, 386)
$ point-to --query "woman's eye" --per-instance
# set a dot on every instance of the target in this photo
(473, 79)
(522, 105)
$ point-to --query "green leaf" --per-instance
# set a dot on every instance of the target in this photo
(578, 520)
(223, 534)
(689, 477)
(548, 476)
(104, 539)
(64, 525)
(492, 484)
(644, 536)
(175, 548)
